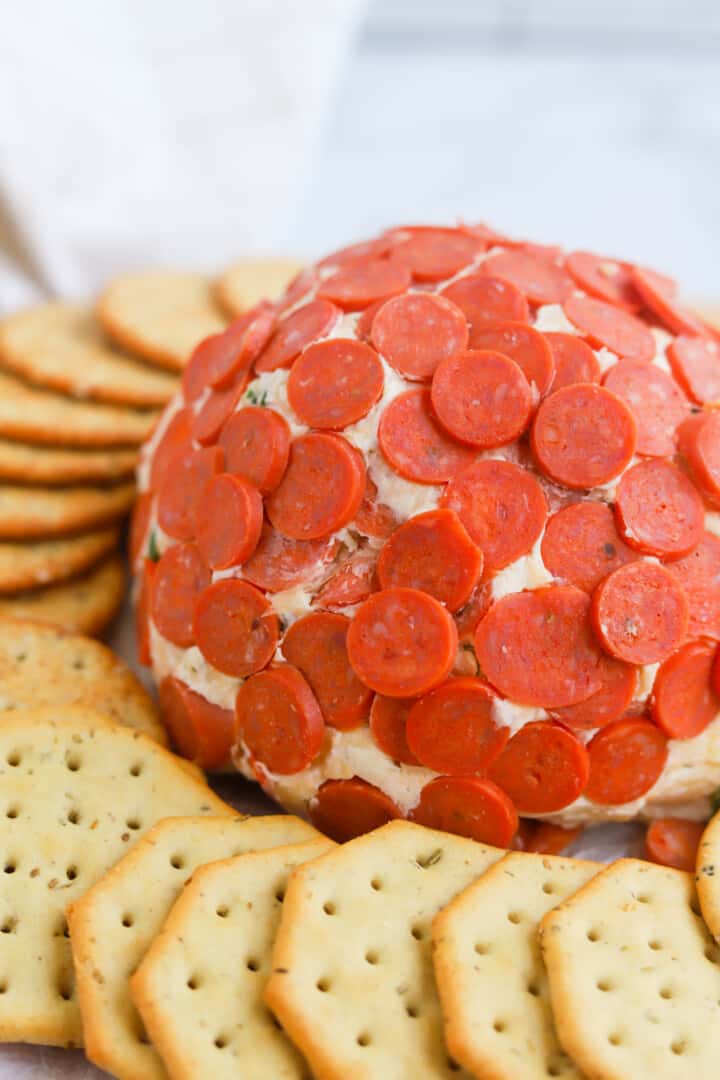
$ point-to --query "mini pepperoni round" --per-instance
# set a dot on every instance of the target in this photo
(699, 443)
(322, 488)
(183, 484)
(654, 292)
(547, 839)
(502, 506)
(360, 283)
(605, 279)
(335, 383)
(180, 577)
(526, 346)
(256, 442)
(674, 842)
(484, 300)
(305, 280)
(539, 279)
(316, 645)
(295, 332)
(376, 248)
(196, 376)
(655, 400)
(695, 363)
(582, 545)
(683, 699)
(344, 809)
(402, 642)
(543, 768)
(202, 732)
(374, 519)
(279, 720)
(388, 721)
(619, 683)
(658, 510)
(240, 345)
(573, 359)
(229, 520)
(416, 331)
(143, 610)
(626, 758)
(640, 613)
(537, 647)
(699, 575)
(235, 627)
(432, 552)
(436, 254)
(351, 584)
(363, 326)
(481, 398)
(414, 444)
(213, 414)
(605, 325)
(176, 437)
(139, 524)
(280, 563)
(453, 729)
(468, 806)
(583, 436)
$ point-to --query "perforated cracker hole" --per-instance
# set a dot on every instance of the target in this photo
(372, 957)
(10, 866)
(679, 1046)
(14, 758)
(417, 932)
(252, 964)
(323, 985)
(363, 1038)
(615, 1038)
(655, 945)
(73, 761)
(65, 989)
(604, 985)
(3, 986)
(481, 948)
(280, 895)
(453, 1065)
(221, 1042)
(413, 1011)
(9, 925)
(71, 873)
(533, 989)
(128, 919)
(193, 982)
(136, 769)
(593, 935)
(695, 907)
(329, 908)
(642, 898)
(548, 888)
(223, 911)
(514, 917)
(177, 862)
(12, 811)
(133, 823)
(73, 817)
(376, 884)
(499, 1026)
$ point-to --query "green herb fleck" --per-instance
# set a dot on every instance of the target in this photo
(431, 859)
(153, 549)
(260, 400)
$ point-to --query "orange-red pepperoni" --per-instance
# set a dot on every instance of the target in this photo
(468, 806)
(244, 340)
(608, 704)
(654, 291)
(374, 518)
(699, 575)
(279, 720)
(583, 436)
(582, 545)
(335, 383)
(235, 627)
(296, 331)
(363, 250)
(674, 842)
(388, 720)
(574, 360)
(305, 280)
(626, 758)
(537, 647)
(468, 617)
(502, 507)
(655, 400)
(215, 411)
(351, 584)
(435, 254)
(363, 327)
(432, 552)
(658, 510)
(202, 732)
(541, 281)
(402, 642)
(542, 769)
(229, 520)
(547, 839)
(695, 363)
(609, 326)
(699, 443)
(683, 699)
(481, 398)
(183, 484)
(453, 729)
(281, 563)
(322, 488)
(640, 613)
(416, 331)
(344, 809)
(316, 645)
(360, 283)
(256, 442)
(143, 606)
(175, 437)
(485, 300)
(139, 523)
(526, 346)
(415, 445)
(180, 577)
(195, 377)
(605, 279)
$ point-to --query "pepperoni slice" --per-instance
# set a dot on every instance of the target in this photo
(416, 331)
(435, 254)
(432, 552)
(485, 299)
(183, 483)
(653, 289)
(699, 575)
(316, 646)
(543, 768)
(640, 613)
(502, 507)
(683, 699)
(582, 545)
(609, 326)
(344, 809)
(229, 521)
(468, 617)
(180, 577)
(376, 248)
(175, 437)
(655, 400)
(235, 627)
(296, 331)
(139, 524)
(202, 732)
(360, 283)
(658, 510)
(195, 377)
(699, 443)
(335, 383)
(674, 842)
(604, 278)
(363, 326)
(280, 563)
(402, 642)
(414, 444)
(547, 839)
(143, 605)
(695, 363)
(305, 280)
(468, 806)
(322, 488)
(573, 359)
(619, 682)
(256, 442)
(244, 340)
(453, 729)
(526, 346)
(279, 720)
(208, 423)
(540, 280)
(583, 436)
(388, 719)
(626, 758)
(481, 398)
(537, 647)
(374, 519)
(351, 584)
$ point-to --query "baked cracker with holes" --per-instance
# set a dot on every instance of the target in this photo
(84, 605)
(245, 284)
(708, 875)
(30, 564)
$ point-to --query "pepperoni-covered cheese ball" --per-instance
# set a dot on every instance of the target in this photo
(436, 536)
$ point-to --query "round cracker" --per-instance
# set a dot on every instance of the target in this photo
(248, 282)
(84, 605)
(160, 315)
(52, 465)
(27, 566)
(60, 347)
(28, 513)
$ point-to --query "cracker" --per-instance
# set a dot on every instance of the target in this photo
(160, 315)
(60, 347)
(38, 416)
(634, 976)
(77, 791)
(708, 875)
(245, 284)
(42, 666)
(141, 890)
(52, 465)
(84, 605)
(42, 562)
(352, 980)
(489, 969)
(33, 512)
